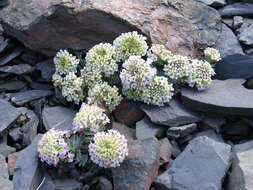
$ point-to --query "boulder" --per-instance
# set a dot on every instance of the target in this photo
(41, 26)
(228, 43)
(181, 131)
(12, 86)
(237, 9)
(240, 177)
(146, 129)
(245, 36)
(172, 115)
(20, 98)
(58, 117)
(19, 69)
(8, 115)
(228, 97)
(141, 164)
(202, 165)
(27, 172)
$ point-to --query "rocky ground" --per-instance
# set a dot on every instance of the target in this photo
(201, 140)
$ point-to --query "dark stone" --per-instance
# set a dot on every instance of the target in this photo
(30, 128)
(228, 44)
(235, 66)
(214, 3)
(128, 112)
(67, 184)
(236, 131)
(4, 3)
(227, 97)
(20, 98)
(58, 117)
(214, 122)
(47, 69)
(175, 149)
(19, 69)
(248, 120)
(128, 132)
(141, 164)
(8, 115)
(11, 86)
(27, 173)
(4, 44)
(173, 115)
(40, 86)
(240, 177)
(237, 9)
(178, 25)
(104, 184)
(146, 129)
(6, 59)
(181, 131)
(245, 36)
(165, 151)
(202, 165)
(5, 150)
(15, 134)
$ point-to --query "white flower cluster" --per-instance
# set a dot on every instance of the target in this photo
(201, 74)
(130, 44)
(109, 149)
(106, 94)
(212, 55)
(178, 68)
(53, 149)
(65, 62)
(72, 88)
(90, 118)
(102, 57)
(159, 54)
(158, 92)
(90, 77)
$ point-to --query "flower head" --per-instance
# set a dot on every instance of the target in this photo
(109, 149)
(201, 74)
(103, 58)
(90, 76)
(53, 149)
(72, 88)
(130, 44)
(158, 92)
(106, 94)
(57, 79)
(159, 54)
(178, 68)
(90, 118)
(212, 55)
(65, 62)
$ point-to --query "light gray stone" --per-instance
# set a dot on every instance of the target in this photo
(19, 69)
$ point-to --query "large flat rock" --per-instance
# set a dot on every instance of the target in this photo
(49, 25)
(8, 115)
(236, 9)
(228, 97)
(58, 117)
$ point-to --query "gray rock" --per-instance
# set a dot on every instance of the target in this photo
(3, 45)
(141, 164)
(235, 66)
(8, 115)
(228, 43)
(67, 184)
(213, 122)
(30, 128)
(3, 168)
(19, 69)
(12, 86)
(181, 131)
(214, 3)
(6, 59)
(146, 129)
(165, 151)
(210, 134)
(245, 36)
(6, 184)
(104, 184)
(202, 165)
(227, 97)
(27, 172)
(241, 174)
(47, 69)
(228, 22)
(237, 9)
(237, 22)
(15, 134)
(128, 132)
(173, 115)
(41, 86)
(20, 98)
(243, 146)
(5, 150)
(189, 23)
(58, 117)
